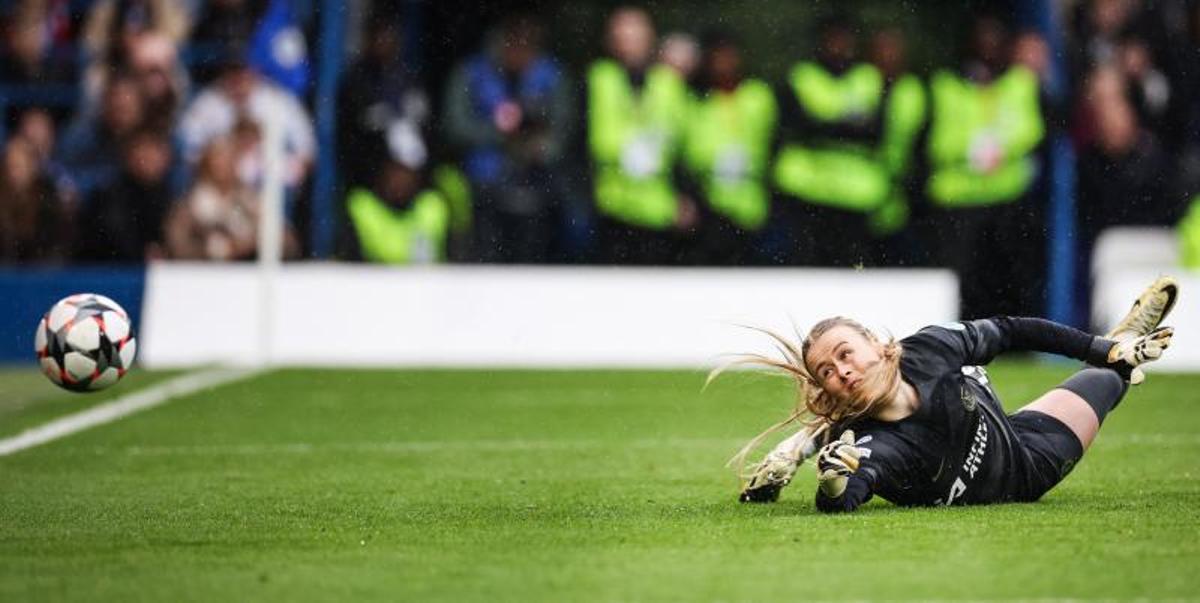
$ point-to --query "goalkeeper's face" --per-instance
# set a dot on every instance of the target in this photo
(840, 359)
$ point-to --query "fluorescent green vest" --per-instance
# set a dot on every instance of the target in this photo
(633, 140)
(846, 175)
(1189, 236)
(903, 115)
(982, 139)
(411, 236)
(727, 145)
(453, 185)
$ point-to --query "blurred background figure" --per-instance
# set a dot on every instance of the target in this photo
(727, 146)
(240, 94)
(986, 133)
(398, 219)
(681, 52)
(379, 90)
(35, 224)
(37, 46)
(217, 219)
(87, 147)
(827, 172)
(115, 27)
(124, 219)
(510, 114)
(904, 116)
(635, 118)
(162, 80)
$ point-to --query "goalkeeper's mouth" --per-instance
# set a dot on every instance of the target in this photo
(853, 385)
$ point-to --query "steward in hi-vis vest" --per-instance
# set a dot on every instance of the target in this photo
(827, 173)
(397, 223)
(983, 161)
(983, 138)
(635, 119)
(726, 153)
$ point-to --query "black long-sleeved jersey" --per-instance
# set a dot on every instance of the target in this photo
(959, 446)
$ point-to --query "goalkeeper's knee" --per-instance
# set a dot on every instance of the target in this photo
(1102, 389)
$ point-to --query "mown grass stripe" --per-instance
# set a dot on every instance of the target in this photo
(121, 407)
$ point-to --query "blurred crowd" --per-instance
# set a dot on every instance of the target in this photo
(137, 130)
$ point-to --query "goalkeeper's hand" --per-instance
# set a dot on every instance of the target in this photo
(767, 479)
(836, 461)
(1126, 357)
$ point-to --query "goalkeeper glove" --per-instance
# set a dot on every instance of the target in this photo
(767, 479)
(1126, 357)
(836, 461)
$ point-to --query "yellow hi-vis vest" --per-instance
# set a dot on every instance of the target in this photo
(633, 140)
(903, 116)
(388, 235)
(1189, 236)
(846, 175)
(727, 145)
(982, 139)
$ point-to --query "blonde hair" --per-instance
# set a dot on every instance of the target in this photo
(816, 409)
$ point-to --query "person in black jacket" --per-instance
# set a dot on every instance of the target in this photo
(917, 423)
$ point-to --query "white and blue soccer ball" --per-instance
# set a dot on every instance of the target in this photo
(85, 342)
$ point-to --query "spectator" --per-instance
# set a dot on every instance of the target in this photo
(510, 112)
(377, 91)
(1098, 25)
(1148, 88)
(727, 150)
(222, 24)
(35, 225)
(113, 25)
(984, 154)
(87, 147)
(36, 126)
(35, 46)
(162, 80)
(680, 52)
(635, 118)
(397, 220)
(827, 174)
(38, 37)
(1123, 176)
(124, 220)
(239, 93)
(218, 217)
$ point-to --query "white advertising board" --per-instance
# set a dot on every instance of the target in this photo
(354, 315)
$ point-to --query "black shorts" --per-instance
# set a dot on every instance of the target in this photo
(1051, 450)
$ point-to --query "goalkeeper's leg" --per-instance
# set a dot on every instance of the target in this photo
(1081, 402)
(1058, 427)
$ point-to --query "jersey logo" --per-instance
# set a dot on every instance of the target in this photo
(969, 401)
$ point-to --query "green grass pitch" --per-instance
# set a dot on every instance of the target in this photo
(552, 486)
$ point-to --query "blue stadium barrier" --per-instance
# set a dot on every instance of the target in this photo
(26, 294)
(330, 55)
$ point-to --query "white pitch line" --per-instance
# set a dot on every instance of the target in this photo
(121, 407)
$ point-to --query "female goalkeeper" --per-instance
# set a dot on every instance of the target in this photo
(917, 423)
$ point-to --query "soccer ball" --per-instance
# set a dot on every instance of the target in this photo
(85, 342)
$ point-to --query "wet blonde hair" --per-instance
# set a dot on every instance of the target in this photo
(816, 409)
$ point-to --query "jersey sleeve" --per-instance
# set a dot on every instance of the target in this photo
(979, 341)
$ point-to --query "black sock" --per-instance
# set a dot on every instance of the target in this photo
(1101, 388)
